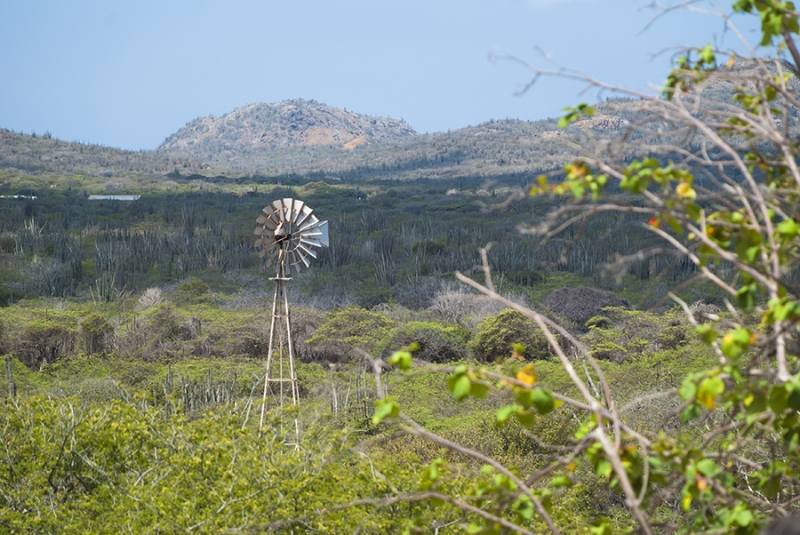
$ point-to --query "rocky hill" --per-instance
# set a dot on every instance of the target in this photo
(282, 125)
(43, 153)
(303, 138)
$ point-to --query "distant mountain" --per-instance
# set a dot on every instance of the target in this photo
(43, 153)
(304, 137)
(282, 125)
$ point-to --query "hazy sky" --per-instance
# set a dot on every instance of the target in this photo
(128, 73)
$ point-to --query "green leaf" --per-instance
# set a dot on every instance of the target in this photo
(707, 54)
(690, 413)
(743, 518)
(688, 389)
(577, 188)
(573, 114)
(755, 403)
(708, 390)
(602, 526)
(402, 359)
(771, 486)
(432, 472)
(543, 400)
(788, 228)
(694, 211)
(746, 296)
(736, 342)
(778, 398)
(525, 398)
(561, 481)
(674, 224)
(385, 408)
(793, 400)
(460, 387)
(707, 331)
(706, 467)
(478, 389)
(603, 468)
(523, 506)
(525, 417)
(504, 413)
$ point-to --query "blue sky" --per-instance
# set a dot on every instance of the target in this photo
(129, 73)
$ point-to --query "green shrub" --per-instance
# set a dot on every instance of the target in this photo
(623, 334)
(97, 334)
(194, 291)
(598, 322)
(194, 287)
(7, 243)
(580, 304)
(437, 343)
(164, 323)
(9, 295)
(352, 327)
(44, 342)
(497, 335)
(5, 345)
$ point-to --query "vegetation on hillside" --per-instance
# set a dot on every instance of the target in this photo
(25, 154)
(149, 402)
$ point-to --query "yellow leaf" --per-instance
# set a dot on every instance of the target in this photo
(708, 400)
(727, 339)
(685, 191)
(526, 375)
(577, 171)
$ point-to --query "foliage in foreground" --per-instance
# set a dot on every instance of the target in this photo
(125, 466)
(720, 185)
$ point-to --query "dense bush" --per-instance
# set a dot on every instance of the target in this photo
(5, 343)
(9, 295)
(437, 343)
(621, 335)
(191, 292)
(44, 342)
(164, 323)
(579, 304)
(497, 336)
(97, 334)
(351, 327)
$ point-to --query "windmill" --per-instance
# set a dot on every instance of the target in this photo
(288, 233)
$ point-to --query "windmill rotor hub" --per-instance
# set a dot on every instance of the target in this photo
(288, 234)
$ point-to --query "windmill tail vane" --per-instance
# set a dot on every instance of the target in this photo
(287, 235)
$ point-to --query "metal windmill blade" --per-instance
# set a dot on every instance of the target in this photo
(287, 233)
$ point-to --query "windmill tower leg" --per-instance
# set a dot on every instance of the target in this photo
(280, 331)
